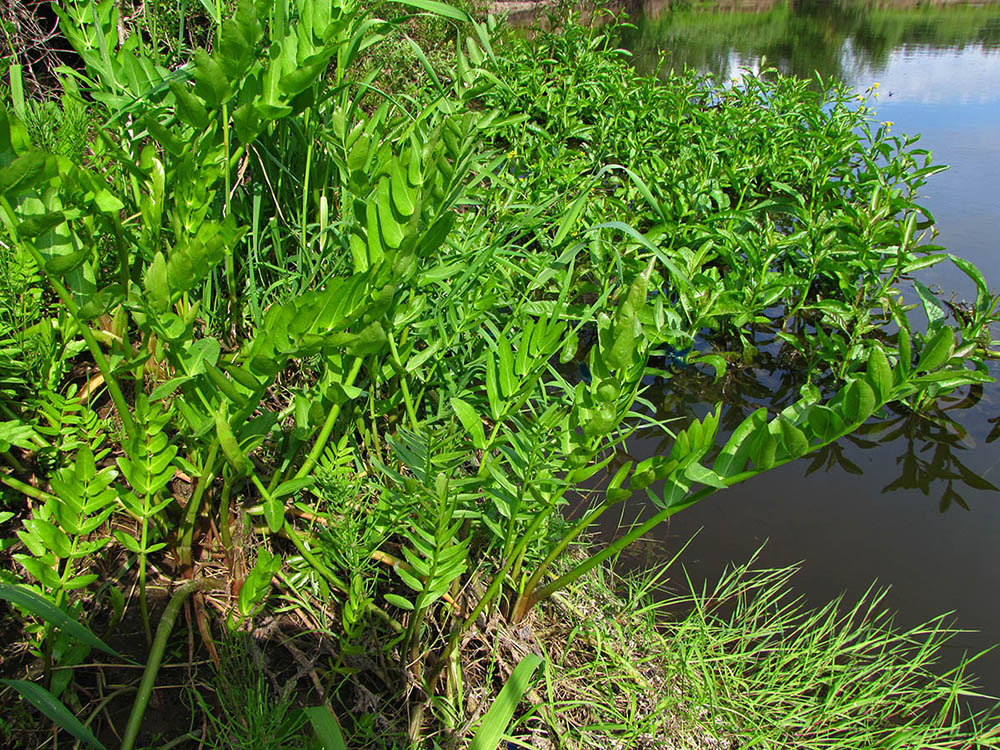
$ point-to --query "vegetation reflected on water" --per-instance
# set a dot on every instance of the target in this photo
(802, 37)
(929, 449)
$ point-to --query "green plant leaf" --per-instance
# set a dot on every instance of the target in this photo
(498, 717)
(327, 727)
(439, 9)
(36, 604)
(54, 709)
(470, 420)
(859, 401)
(937, 349)
(879, 373)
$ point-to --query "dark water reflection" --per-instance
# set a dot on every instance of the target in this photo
(910, 501)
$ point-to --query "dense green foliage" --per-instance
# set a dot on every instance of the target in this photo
(346, 350)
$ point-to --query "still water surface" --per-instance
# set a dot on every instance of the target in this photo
(912, 503)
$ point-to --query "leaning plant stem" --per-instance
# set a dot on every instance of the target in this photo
(156, 654)
(530, 597)
(191, 511)
(328, 425)
(121, 405)
(403, 386)
(224, 530)
(568, 539)
(143, 607)
(26, 489)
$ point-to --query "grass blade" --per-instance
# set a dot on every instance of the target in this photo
(38, 605)
(53, 708)
(439, 9)
(327, 728)
(497, 719)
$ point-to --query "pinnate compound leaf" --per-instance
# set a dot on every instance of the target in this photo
(54, 709)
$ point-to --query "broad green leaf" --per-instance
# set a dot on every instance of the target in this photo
(402, 194)
(274, 514)
(859, 401)
(326, 726)
(792, 438)
(970, 270)
(505, 365)
(392, 230)
(470, 420)
(937, 349)
(736, 452)
(698, 473)
(292, 486)
(497, 719)
(156, 285)
(879, 373)
(825, 423)
(764, 449)
(227, 441)
(933, 308)
(399, 601)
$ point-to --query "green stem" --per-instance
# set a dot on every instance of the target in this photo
(224, 530)
(156, 655)
(143, 607)
(328, 425)
(26, 489)
(121, 405)
(191, 511)
(401, 373)
(305, 182)
(568, 539)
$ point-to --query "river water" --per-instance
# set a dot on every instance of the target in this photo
(911, 504)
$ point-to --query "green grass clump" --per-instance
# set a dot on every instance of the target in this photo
(335, 352)
(643, 661)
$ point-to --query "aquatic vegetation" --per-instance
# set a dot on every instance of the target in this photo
(338, 358)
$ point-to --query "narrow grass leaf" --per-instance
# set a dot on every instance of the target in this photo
(440, 9)
(38, 605)
(54, 709)
(497, 719)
